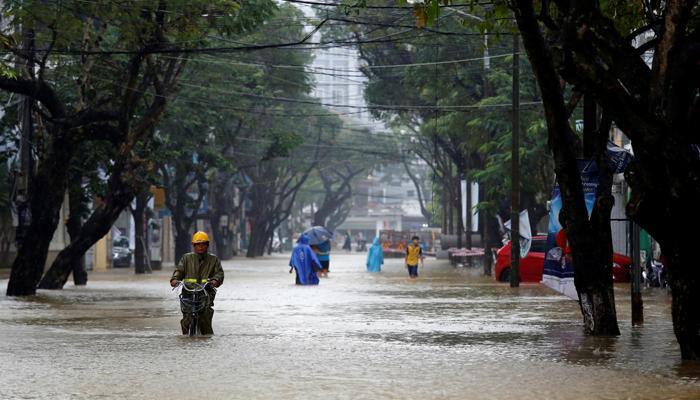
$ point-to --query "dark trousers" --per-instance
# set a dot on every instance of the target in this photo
(412, 270)
(204, 321)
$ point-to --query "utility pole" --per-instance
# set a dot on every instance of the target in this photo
(636, 281)
(515, 170)
(462, 208)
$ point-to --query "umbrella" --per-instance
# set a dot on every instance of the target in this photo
(318, 234)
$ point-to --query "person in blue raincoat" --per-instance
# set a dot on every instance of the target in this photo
(305, 262)
(375, 256)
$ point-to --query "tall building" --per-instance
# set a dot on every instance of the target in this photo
(386, 198)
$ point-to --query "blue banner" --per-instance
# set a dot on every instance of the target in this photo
(618, 158)
(558, 273)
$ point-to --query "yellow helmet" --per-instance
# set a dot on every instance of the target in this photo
(200, 237)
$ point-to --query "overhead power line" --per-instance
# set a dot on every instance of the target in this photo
(374, 7)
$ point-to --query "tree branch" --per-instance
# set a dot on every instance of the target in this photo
(39, 91)
(672, 33)
(419, 191)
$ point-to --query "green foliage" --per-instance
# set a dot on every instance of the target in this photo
(456, 114)
(93, 48)
(628, 15)
(236, 111)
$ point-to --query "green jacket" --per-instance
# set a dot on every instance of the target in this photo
(198, 268)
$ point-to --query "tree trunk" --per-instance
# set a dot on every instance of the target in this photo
(183, 243)
(269, 244)
(222, 235)
(587, 244)
(335, 199)
(76, 202)
(684, 280)
(320, 217)
(46, 198)
(419, 192)
(217, 243)
(655, 206)
(593, 279)
(450, 206)
(337, 218)
(95, 228)
(332, 214)
(272, 203)
(178, 201)
(444, 196)
(258, 239)
(657, 109)
(221, 204)
(261, 218)
(140, 232)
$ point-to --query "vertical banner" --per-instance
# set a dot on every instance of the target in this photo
(475, 211)
(474, 201)
(463, 197)
(525, 233)
(155, 239)
(558, 271)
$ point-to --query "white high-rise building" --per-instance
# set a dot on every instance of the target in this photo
(339, 83)
(379, 203)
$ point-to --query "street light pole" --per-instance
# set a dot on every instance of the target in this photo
(515, 170)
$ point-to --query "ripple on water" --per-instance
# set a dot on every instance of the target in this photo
(450, 334)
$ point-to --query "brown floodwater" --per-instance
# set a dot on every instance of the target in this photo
(452, 334)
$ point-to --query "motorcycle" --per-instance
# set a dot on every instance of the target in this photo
(655, 275)
(194, 298)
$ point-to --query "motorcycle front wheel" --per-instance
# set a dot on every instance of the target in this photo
(194, 322)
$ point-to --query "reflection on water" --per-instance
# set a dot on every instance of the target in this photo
(450, 334)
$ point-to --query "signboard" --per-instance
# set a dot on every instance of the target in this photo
(158, 197)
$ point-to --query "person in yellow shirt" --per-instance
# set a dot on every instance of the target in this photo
(414, 255)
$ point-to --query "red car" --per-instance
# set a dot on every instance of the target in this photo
(531, 267)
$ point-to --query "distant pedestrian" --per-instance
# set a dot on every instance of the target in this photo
(304, 262)
(323, 252)
(375, 256)
(347, 245)
(414, 256)
(361, 242)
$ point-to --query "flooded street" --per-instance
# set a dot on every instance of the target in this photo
(450, 334)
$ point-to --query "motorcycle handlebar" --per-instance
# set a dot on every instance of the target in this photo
(199, 287)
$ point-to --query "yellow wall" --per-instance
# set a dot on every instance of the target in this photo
(103, 253)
